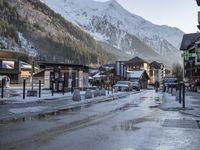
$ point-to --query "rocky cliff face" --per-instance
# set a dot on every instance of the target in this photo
(51, 36)
(110, 23)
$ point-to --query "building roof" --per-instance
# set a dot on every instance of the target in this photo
(155, 65)
(109, 65)
(136, 61)
(98, 76)
(188, 40)
(137, 74)
(198, 2)
(52, 64)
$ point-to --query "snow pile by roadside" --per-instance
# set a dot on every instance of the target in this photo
(27, 109)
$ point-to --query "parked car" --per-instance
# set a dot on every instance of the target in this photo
(123, 86)
(169, 82)
(135, 85)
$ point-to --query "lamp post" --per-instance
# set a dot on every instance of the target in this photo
(190, 70)
(33, 70)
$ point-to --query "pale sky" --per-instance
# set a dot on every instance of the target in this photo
(175, 13)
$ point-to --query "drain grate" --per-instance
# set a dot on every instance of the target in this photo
(181, 123)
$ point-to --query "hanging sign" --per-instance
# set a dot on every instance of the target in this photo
(186, 55)
(197, 50)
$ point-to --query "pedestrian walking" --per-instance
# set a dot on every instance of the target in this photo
(156, 86)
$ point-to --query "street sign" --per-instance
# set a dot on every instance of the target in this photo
(186, 55)
(197, 50)
(57, 73)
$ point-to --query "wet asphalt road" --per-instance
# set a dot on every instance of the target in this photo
(133, 123)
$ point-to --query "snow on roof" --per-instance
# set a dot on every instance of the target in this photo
(26, 66)
(135, 74)
(98, 75)
(90, 78)
(189, 40)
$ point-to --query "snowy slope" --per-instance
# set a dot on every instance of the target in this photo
(22, 45)
(111, 23)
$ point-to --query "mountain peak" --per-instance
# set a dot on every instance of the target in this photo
(109, 22)
(114, 4)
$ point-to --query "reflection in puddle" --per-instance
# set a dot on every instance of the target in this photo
(144, 98)
(157, 99)
(129, 125)
(127, 106)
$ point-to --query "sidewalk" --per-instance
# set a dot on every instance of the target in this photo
(192, 104)
(17, 109)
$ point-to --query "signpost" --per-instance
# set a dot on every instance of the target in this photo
(32, 92)
(186, 55)
(197, 50)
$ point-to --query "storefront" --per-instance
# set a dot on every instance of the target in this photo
(10, 68)
(64, 75)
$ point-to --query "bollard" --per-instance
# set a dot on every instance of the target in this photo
(96, 92)
(183, 95)
(88, 94)
(171, 89)
(72, 89)
(63, 88)
(24, 88)
(52, 89)
(76, 95)
(39, 88)
(112, 90)
(179, 93)
(2, 89)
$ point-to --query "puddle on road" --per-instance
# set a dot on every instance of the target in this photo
(145, 98)
(128, 106)
(157, 99)
(130, 125)
(63, 111)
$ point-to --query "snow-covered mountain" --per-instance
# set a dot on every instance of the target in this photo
(23, 45)
(110, 23)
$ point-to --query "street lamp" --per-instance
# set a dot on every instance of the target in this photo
(190, 70)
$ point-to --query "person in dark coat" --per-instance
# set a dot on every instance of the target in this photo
(156, 85)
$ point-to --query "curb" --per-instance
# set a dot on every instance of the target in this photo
(189, 113)
(54, 111)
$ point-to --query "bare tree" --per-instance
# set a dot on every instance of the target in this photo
(177, 71)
